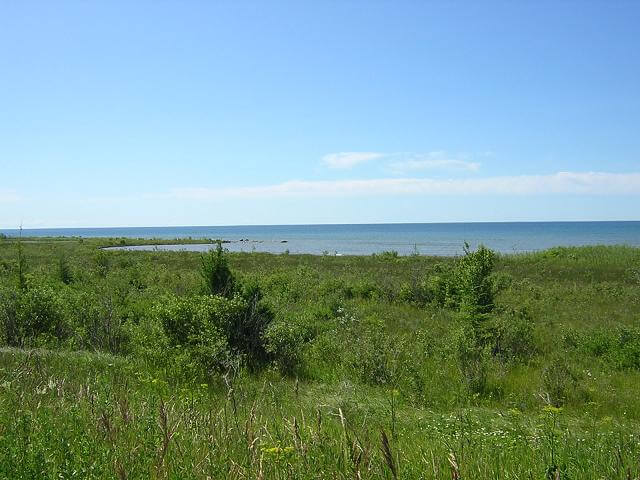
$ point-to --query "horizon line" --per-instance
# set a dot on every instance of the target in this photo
(17, 229)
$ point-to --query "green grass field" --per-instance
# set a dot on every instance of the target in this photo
(123, 365)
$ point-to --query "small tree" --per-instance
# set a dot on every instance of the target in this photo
(473, 281)
(22, 264)
(64, 270)
(218, 279)
(475, 299)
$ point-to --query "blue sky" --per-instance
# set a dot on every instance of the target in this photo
(222, 113)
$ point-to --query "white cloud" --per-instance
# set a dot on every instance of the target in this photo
(349, 159)
(430, 162)
(585, 183)
(402, 162)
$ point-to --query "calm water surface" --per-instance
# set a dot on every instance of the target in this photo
(365, 239)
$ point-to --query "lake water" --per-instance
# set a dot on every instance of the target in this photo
(365, 239)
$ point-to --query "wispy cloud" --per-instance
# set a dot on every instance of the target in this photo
(349, 159)
(579, 183)
(403, 162)
(431, 161)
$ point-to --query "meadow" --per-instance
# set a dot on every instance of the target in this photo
(118, 364)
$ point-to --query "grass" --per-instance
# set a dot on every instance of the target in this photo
(376, 391)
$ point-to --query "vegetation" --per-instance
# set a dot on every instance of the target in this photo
(176, 365)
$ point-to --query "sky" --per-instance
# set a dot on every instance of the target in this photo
(163, 113)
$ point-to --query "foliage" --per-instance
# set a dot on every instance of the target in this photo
(472, 280)
(447, 355)
(213, 327)
(22, 264)
(559, 381)
(510, 335)
(200, 325)
(33, 316)
(114, 417)
(473, 358)
(64, 270)
(102, 263)
(284, 342)
(216, 275)
(619, 346)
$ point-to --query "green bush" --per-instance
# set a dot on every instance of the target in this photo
(472, 280)
(559, 381)
(102, 263)
(34, 316)
(214, 327)
(216, 275)
(365, 289)
(197, 325)
(439, 289)
(472, 357)
(97, 319)
(246, 333)
(418, 293)
(148, 342)
(618, 346)
(284, 343)
(64, 270)
(370, 355)
(466, 286)
(510, 335)
(9, 334)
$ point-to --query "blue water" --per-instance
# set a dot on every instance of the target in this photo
(406, 238)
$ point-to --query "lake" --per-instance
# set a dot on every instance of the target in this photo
(365, 239)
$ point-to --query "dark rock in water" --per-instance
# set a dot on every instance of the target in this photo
(283, 241)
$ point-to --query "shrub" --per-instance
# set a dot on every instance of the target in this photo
(9, 334)
(246, 333)
(196, 324)
(472, 358)
(558, 381)
(370, 357)
(434, 289)
(472, 280)
(626, 354)
(97, 320)
(467, 286)
(511, 336)
(216, 275)
(102, 263)
(365, 289)
(214, 327)
(22, 264)
(33, 316)
(501, 281)
(184, 318)
(415, 293)
(440, 289)
(210, 349)
(284, 342)
(64, 270)
(619, 346)
(148, 341)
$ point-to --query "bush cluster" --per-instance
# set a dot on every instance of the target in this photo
(618, 346)
(449, 329)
